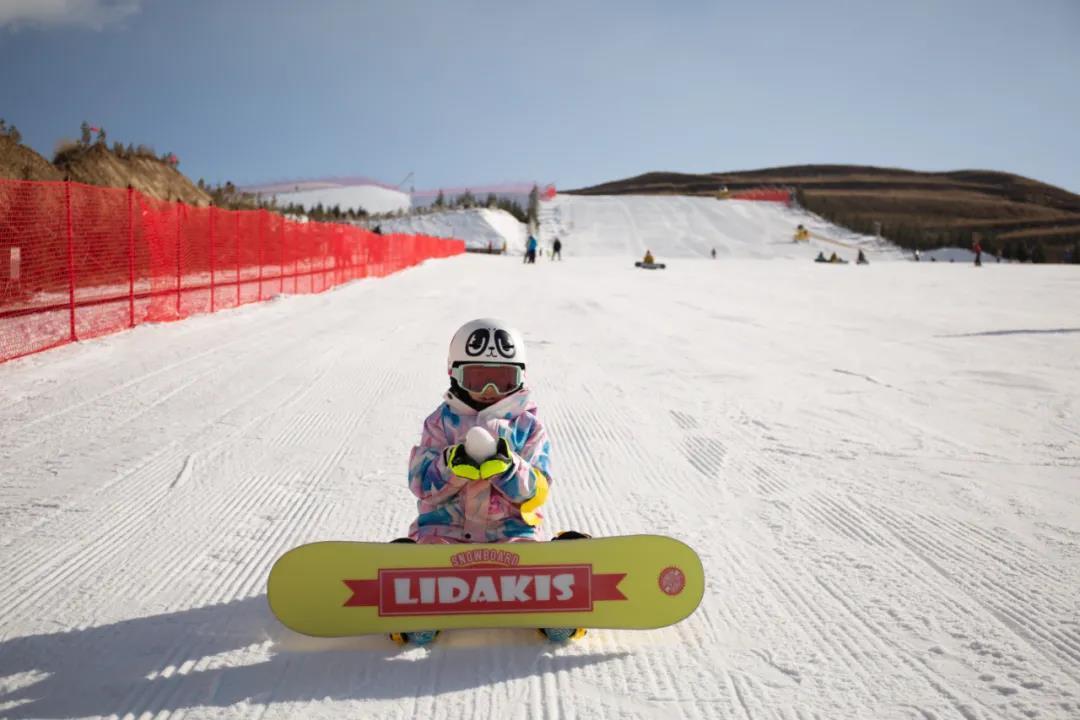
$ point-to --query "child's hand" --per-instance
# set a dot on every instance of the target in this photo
(460, 463)
(498, 464)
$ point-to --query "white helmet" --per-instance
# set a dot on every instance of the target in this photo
(487, 341)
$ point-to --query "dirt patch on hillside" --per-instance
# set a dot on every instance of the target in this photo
(97, 165)
(19, 162)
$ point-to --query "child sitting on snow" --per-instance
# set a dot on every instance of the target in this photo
(481, 471)
(481, 468)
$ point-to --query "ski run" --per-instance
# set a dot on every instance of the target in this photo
(879, 466)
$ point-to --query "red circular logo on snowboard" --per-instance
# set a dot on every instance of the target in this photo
(672, 580)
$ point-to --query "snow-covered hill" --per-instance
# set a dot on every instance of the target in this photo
(372, 198)
(480, 228)
(684, 227)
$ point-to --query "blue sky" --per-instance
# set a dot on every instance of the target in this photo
(577, 93)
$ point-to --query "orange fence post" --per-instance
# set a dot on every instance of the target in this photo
(311, 260)
(213, 289)
(262, 219)
(178, 255)
(281, 267)
(131, 256)
(71, 257)
(296, 262)
(237, 214)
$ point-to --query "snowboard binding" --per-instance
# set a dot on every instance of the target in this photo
(419, 638)
(565, 635)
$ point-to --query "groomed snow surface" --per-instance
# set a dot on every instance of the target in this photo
(480, 228)
(878, 466)
(372, 198)
(669, 226)
(691, 227)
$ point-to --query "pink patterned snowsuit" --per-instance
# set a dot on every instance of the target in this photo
(453, 509)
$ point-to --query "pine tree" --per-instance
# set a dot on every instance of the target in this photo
(491, 201)
(1022, 253)
(440, 201)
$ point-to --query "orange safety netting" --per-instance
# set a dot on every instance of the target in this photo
(78, 261)
(763, 195)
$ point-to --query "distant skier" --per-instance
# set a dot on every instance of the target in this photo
(713, 253)
(976, 248)
(648, 259)
(861, 260)
(917, 256)
(481, 470)
(530, 250)
(820, 257)
(556, 249)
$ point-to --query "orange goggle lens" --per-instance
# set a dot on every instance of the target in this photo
(474, 377)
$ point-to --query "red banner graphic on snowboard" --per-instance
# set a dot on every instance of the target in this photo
(482, 590)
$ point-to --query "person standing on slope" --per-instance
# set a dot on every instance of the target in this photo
(556, 249)
(481, 471)
(530, 249)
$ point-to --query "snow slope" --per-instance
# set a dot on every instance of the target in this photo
(878, 466)
(478, 227)
(372, 198)
(675, 226)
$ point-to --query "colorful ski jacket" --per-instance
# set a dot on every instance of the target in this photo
(495, 510)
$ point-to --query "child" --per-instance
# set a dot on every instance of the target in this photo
(481, 470)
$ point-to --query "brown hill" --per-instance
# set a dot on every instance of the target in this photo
(916, 209)
(19, 162)
(98, 165)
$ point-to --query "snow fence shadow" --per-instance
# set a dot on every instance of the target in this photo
(237, 652)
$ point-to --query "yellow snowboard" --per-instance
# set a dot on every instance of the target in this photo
(331, 589)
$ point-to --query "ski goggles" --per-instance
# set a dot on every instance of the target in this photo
(475, 377)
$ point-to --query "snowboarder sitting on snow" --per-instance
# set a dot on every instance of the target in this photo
(820, 257)
(481, 470)
(649, 259)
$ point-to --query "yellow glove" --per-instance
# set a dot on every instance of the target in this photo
(460, 463)
(499, 463)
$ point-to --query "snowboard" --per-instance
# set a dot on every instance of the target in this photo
(334, 589)
(649, 266)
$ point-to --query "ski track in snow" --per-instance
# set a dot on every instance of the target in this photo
(885, 503)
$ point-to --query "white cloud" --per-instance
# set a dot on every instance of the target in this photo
(93, 14)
